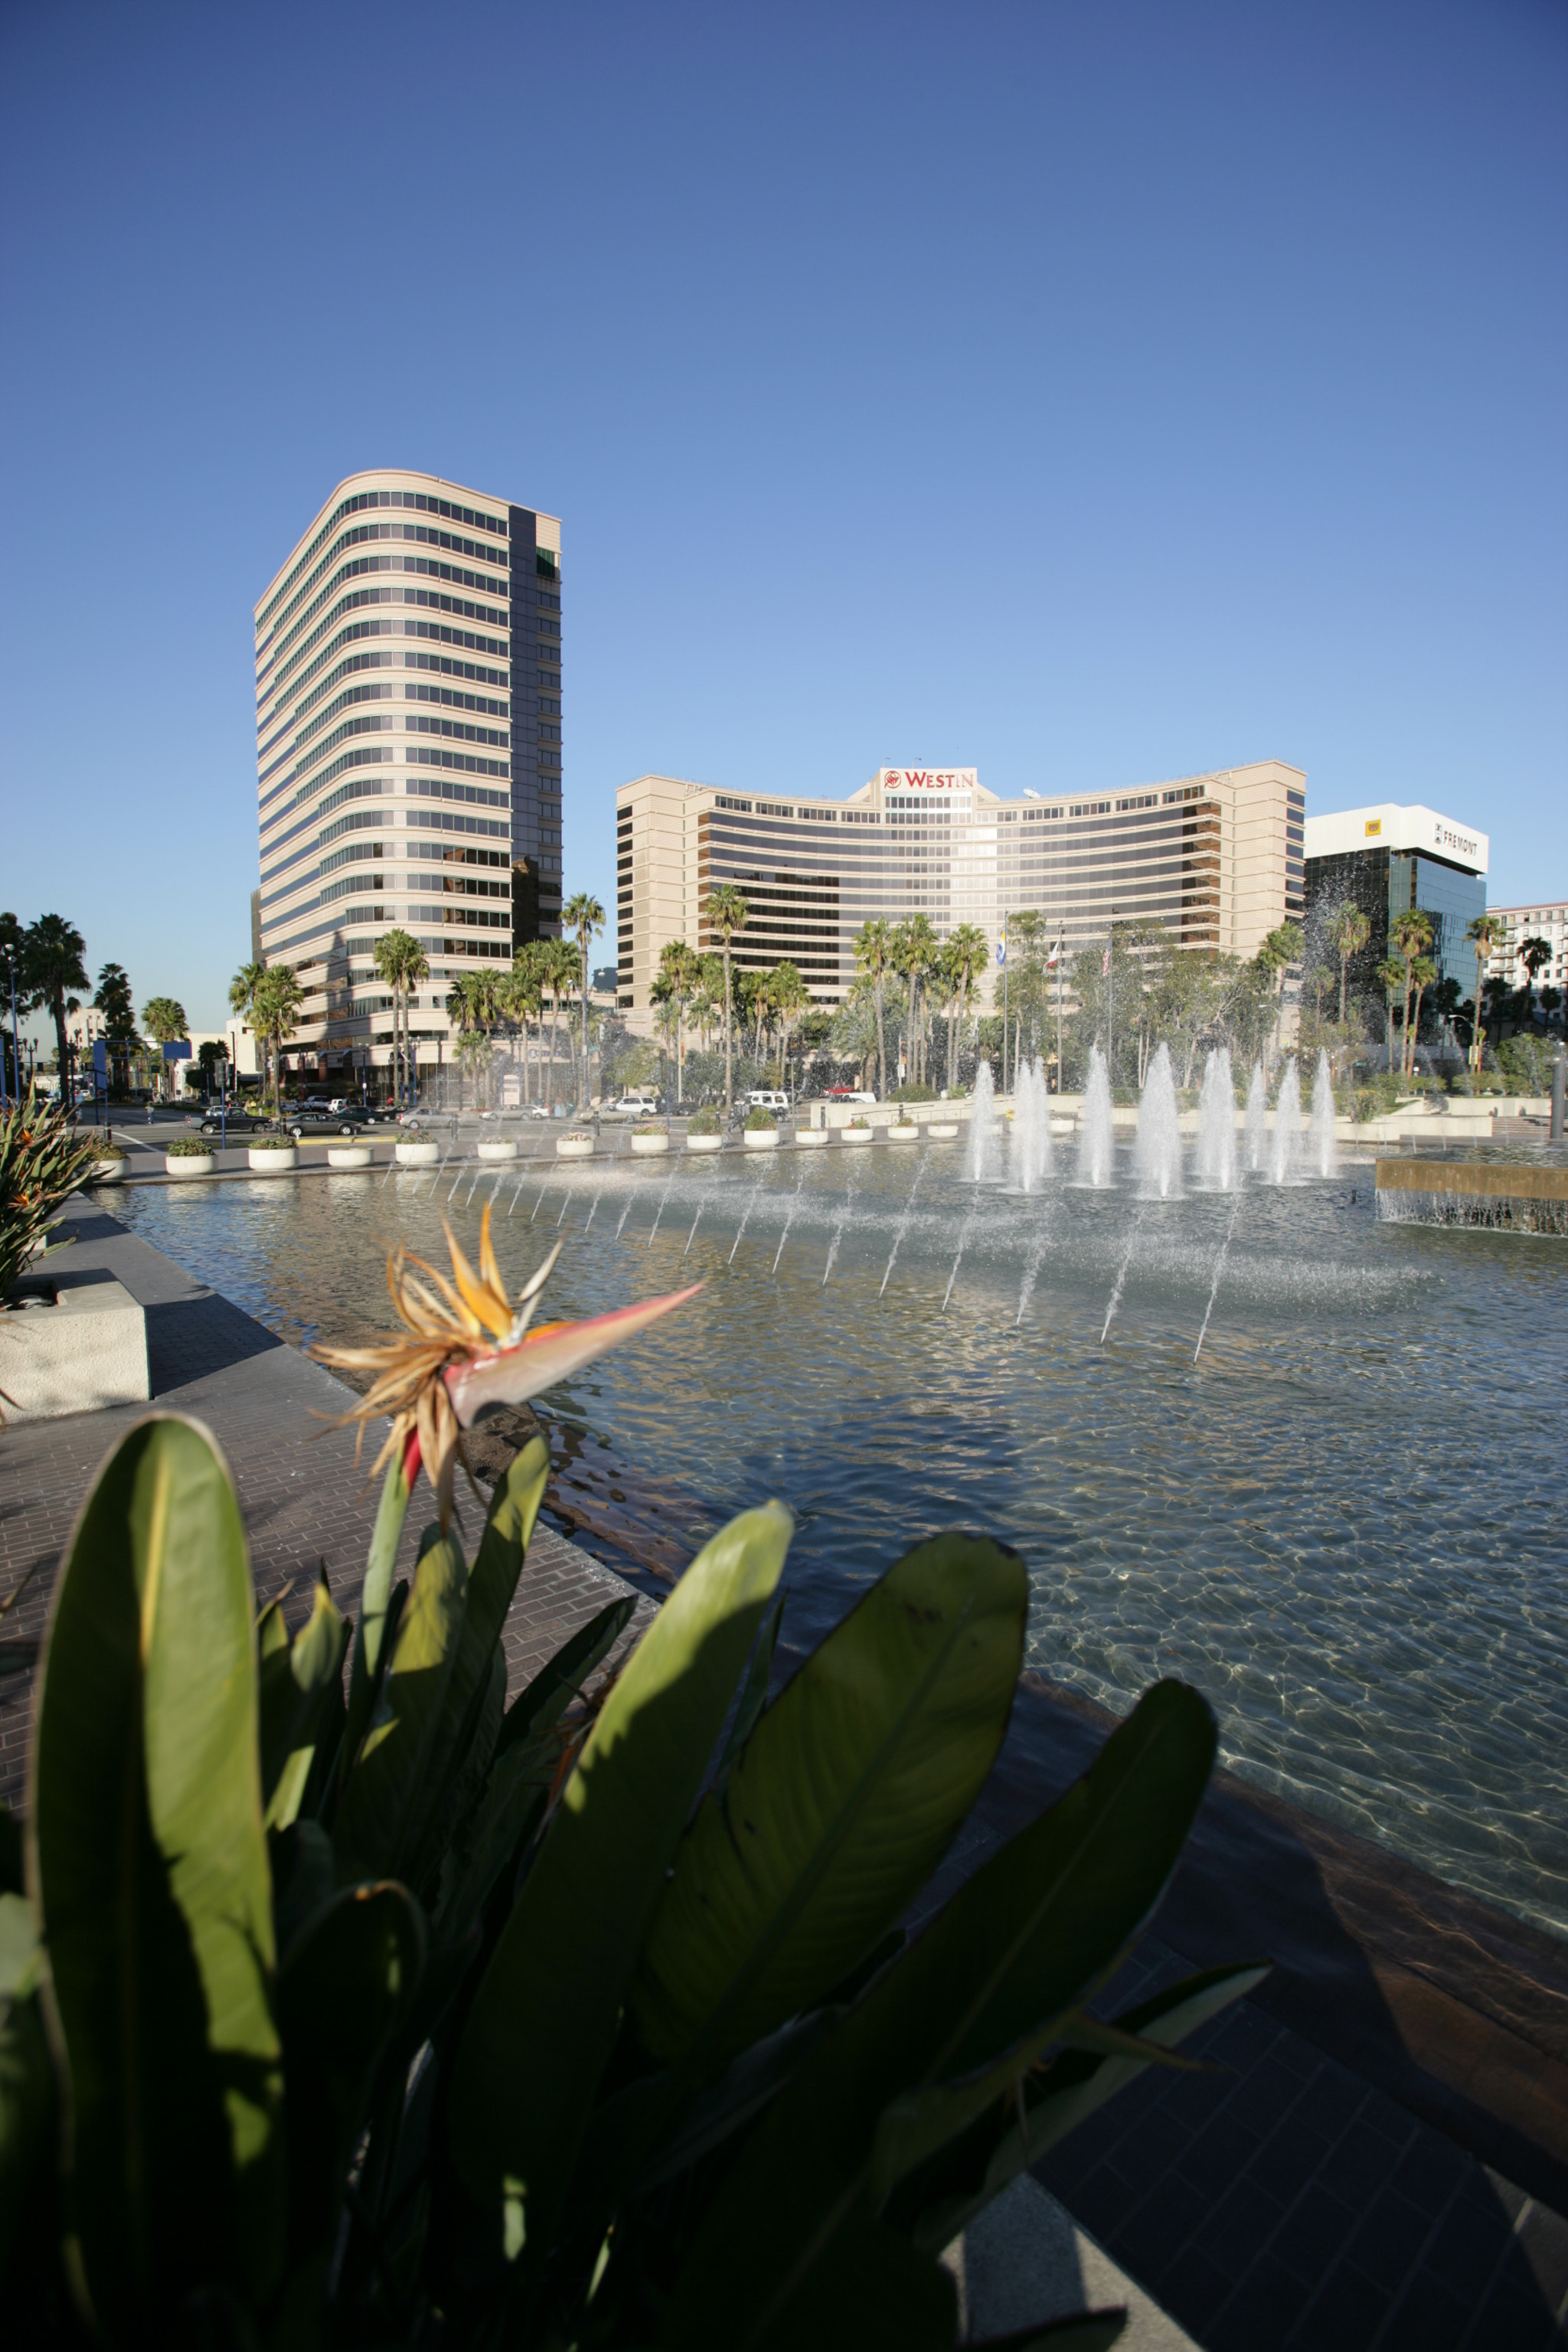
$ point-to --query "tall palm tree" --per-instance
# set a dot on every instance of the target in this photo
(400, 959)
(1350, 931)
(1410, 935)
(278, 997)
(1485, 934)
(727, 913)
(874, 958)
(164, 1019)
(52, 967)
(791, 998)
(558, 970)
(583, 914)
(967, 953)
(242, 990)
(1394, 974)
(1532, 953)
(471, 1001)
(522, 997)
(112, 998)
(679, 969)
(1423, 972)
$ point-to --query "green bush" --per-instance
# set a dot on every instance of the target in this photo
(759, 1119)
(43, 1158)
(1526, 1067)
(189, 1147)
(705, 1122)
(649, 1127)
(859, 1120)
(399, 2015)
(270, 1142)
(912, 1093)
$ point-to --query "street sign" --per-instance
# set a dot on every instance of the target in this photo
(176, 1049)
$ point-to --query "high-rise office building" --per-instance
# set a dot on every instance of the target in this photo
(1391, 858)
(408, 751)
(1215, 859)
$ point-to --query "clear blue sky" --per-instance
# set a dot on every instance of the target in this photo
(1094, 395)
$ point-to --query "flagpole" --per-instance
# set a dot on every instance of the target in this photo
(1058, 1008)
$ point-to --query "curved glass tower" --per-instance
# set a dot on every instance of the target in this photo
(408, 752)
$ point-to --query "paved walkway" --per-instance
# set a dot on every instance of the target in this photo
(1379, 2158)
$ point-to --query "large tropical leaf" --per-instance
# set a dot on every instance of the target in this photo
(546, 2012)
(545, 1699)
(26, 2077)
(840, 1805)
(1031, 1936)
(149, 1865)
(296, 1684)
(377, 1616)
(385, 1793)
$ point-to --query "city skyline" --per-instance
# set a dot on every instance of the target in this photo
(1080, 444)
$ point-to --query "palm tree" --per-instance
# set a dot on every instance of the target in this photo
(1350, 931)
(1532, 953)
(1423, 972)
(242, 990)
(112, 998)
(400, 962)
(278, 997)
(522, 997)
(726, 914)
(1410, 934)
(1285, 944)
(558, 970)
(52, 967)
(1485, 934)
(914, 953)
(874, 959)
(966, 955)
(584, 915)
(164, 1019)
(791, 997)
(471, 1003)
(1394, 977)
(678, 969)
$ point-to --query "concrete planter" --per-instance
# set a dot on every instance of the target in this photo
(107, 1171)
(813, 1139)
(418, 1155)
(86, 1350)
(761, 1138)
(902, 1132)
(272, 1163)
(705, 1143)
(573, 1147)
(348, 1155)
(503, 1148)
(942, 1130)
(856, 1134)
(648, 1147)
(189, 1163)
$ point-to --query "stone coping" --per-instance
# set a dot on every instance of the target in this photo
(1490, 1179)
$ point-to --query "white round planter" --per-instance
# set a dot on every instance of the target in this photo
(854, 1134)
(761, 1138)
(107, 1171)
(503, 1148)
(573, 1147)
(418, 1155)
(942, 1130)
(705, 1143)
(901, 1133)
(189, 1163)
(811, 1139)
(648, 1147)
(348, 1155)
(272, 1163)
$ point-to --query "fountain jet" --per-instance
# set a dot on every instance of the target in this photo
(1029, 1157)
(980, 1164)
(1323, 1127)
(1217, 1125)
(1096, 1136)
(1287, 1126)
(1256, 1121)
(1158, 1152)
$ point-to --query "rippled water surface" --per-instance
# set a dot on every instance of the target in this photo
(1343, 1521)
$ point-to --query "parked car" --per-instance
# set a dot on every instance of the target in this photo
(634, 1107)
(317, 1119)
(232, 1122)
(847, 1094)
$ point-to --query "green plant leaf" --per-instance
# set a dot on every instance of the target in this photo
(1028, 1938)
(345, 1986)
(546, 1698)
(384, 1794)
(943, 2199)
(841, 1804)
(27, 2120)
(377, 1612)
(295, 1685)
(754, 1692)
(547, 2010)
(148, 1863)
(491, 1585)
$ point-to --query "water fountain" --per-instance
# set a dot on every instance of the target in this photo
(1096, 1136)
(1217, 1125)
(1286, 1152)
(1157, 1154)
(1322, 1128)
(1030, 1157)
(1257, 1122)
(980, 1162)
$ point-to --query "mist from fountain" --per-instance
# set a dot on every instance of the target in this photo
(1217, 1125)
(1029, 1155)
(980, 1164)
(1322, 1128)
(1157, 1154)
(1096, 1135)
(1256, 1146)
(1287, 1152)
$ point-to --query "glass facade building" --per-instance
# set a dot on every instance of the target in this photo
(1389, 859)
(408, 734)
(1215, 859)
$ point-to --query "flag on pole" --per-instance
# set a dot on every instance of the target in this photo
(1055, 956)
(1105, 964)
(1002, 949)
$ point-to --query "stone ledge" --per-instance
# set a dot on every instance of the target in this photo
(87, 1351)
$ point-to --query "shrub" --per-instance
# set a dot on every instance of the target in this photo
(457, 2018)
(270, 1142)
(189, 1147)
(759, 1119)
(111, 1151)
(912, 1093)
(859, 1120)
(705, 1122)
(649, 1127)
(43, 1158)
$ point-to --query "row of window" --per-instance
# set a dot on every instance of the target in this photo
(349, 668)
(417, 500)
(440, 821)
(345, 701)
(429, 599)
(356, 568)
(354, 602)
(340, 734)
(467, 761)
(454, 700)
(355, 855)
(446, 668)
(458, 730)
(437, 849)
(431, 569)
(407, 531)
(350, 636)
(438, 635)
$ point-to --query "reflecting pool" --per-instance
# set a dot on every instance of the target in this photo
(1340, 1515)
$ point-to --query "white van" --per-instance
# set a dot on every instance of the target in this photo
(767, 1098)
